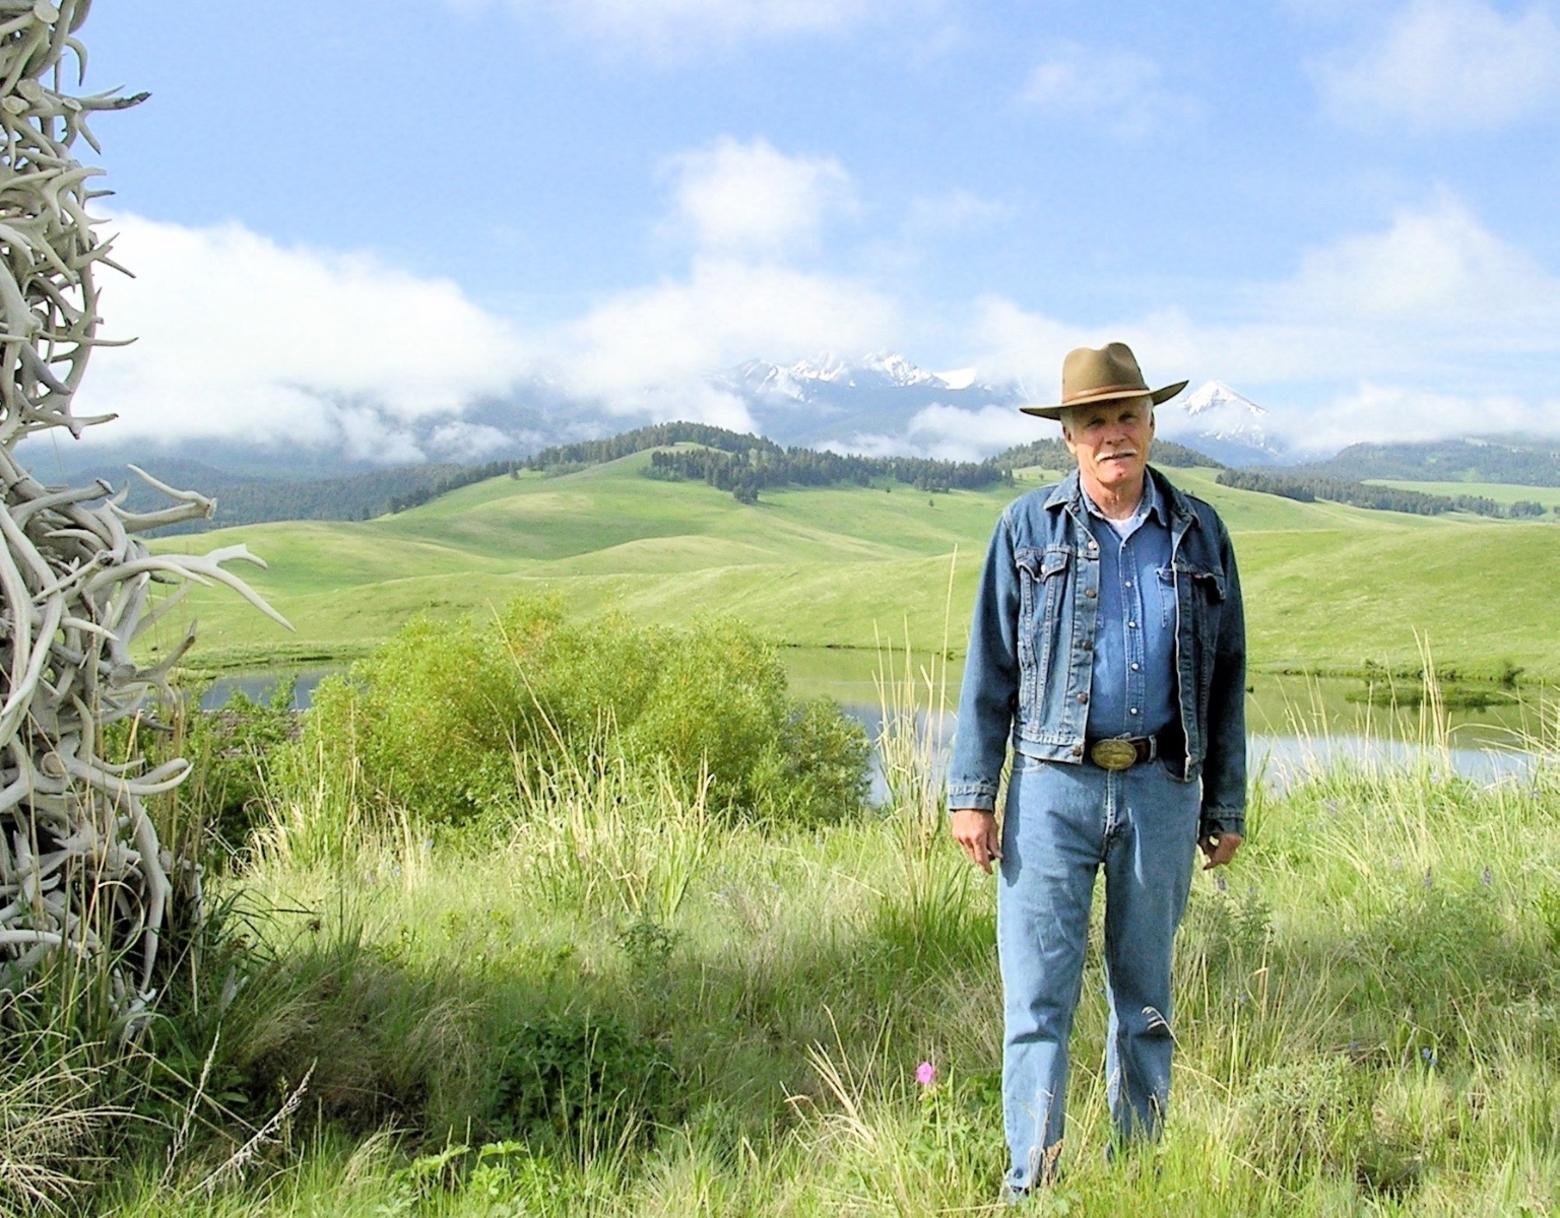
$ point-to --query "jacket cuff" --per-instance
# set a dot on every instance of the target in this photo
(979, 795)
(1222, 820)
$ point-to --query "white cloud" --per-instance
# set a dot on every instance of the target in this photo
(239, 336)
(1433, 265)
(1456, 65)
(459, 440)
(949, 433)
(367, 435)
(751, 197)
(648, 349)
(1379, 412)
(959, 434)
(675, 27)
(1123, 91)
(1433, 297)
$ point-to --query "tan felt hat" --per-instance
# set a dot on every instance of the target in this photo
(1102, 374)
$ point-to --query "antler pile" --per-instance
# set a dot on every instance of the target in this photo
(81, 869)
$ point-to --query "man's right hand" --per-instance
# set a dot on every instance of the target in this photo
(976, 833)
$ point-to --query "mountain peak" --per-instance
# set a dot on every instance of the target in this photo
(1222, 422)
(1216, 395)
(826, 367)
(898, 369)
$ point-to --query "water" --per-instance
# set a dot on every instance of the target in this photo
(1296, 725)
(1279, 759)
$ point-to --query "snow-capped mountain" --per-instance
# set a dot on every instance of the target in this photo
(1223, 423)
(874, 396)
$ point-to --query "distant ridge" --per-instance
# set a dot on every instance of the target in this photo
(1505, 459)
(750, 462)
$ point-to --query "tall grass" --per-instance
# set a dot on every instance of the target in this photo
(600, 999)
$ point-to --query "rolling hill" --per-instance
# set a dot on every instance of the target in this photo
(1327, 587)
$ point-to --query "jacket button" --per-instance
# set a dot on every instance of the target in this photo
(1077, 750)
(1089, 592)
(1087, 644)
(1083, 697)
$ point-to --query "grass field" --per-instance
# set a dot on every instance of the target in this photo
(607, 1003)
(1327, 587)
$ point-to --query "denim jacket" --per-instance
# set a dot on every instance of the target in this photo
(1030, 659)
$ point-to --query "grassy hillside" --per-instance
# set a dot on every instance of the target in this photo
(1327, 586)
(1501, 492)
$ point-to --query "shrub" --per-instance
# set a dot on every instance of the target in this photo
(446, 721)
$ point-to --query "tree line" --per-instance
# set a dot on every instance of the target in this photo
(1309, 488)
(463, 475)
(581, 453)
(1527, 462)
(745, 473)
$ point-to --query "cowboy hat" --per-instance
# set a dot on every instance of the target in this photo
(1103, 374)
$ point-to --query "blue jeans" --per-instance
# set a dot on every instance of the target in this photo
(1062, 822)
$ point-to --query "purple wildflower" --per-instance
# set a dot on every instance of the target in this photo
(926, 1074)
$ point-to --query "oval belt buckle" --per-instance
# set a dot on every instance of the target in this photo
(1113, 754)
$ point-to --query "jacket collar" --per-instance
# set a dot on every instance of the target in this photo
(1068, 493)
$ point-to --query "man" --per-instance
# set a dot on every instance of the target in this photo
(1108, 644)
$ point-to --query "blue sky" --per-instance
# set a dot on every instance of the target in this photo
(344, 215)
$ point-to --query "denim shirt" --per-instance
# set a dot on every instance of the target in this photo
(1132, 691)
(1029, 666)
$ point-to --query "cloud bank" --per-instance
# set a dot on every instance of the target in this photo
(1428, 325)
(241, 336)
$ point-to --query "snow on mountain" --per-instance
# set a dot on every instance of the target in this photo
(828, 368)
(900, 370)
(1223, 423)
(878, 394)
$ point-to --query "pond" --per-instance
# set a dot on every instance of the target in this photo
(1294, 724)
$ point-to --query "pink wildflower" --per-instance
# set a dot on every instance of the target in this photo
(926, 1074)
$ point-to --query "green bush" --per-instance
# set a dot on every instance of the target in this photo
(448, 721)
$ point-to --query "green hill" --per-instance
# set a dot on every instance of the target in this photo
(1327, 586)
(1493, 459)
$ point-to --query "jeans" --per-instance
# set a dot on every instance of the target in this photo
(1061, 824)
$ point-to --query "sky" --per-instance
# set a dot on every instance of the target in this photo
(345, 216)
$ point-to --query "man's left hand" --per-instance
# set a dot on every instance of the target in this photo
(1219, 848)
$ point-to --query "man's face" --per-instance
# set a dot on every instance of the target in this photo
(1110, 441)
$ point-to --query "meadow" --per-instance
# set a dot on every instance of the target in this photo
(603, 990)
(1328, 588)
(568, 905)
(1501, 492)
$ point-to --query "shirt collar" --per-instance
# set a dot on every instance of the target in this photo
(1149, 503)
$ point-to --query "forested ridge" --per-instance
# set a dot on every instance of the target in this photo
(1292, 484)
(744, 463)
(251, 499)
(1501, 459)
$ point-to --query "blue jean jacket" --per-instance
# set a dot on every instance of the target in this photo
(1029, 664)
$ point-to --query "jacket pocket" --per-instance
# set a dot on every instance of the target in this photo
(1042, 582)
(1210, 583)
(1166, 587)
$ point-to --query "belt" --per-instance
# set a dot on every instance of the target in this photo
(1124, 752)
